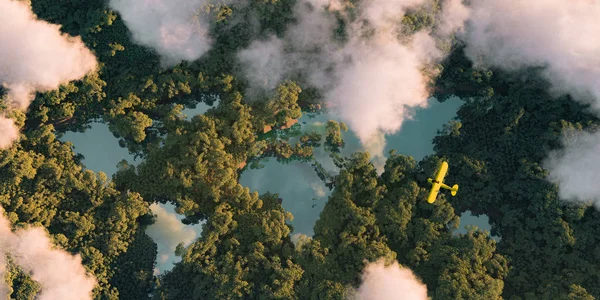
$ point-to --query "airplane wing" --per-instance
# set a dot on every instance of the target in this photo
(439, 178)
(442, 172)
(435, 188)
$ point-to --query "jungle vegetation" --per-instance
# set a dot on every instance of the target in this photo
(496, 144)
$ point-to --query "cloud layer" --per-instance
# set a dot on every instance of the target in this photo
(60, 274)
(389, 283)
(176, 29)
(35, 56)
(374, 80)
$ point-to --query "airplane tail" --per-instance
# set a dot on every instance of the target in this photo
(454, 190)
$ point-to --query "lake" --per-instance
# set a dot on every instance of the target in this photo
(303, 193)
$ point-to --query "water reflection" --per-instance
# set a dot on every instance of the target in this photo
(100, 148)
(482, 222)
(102, 153)
(168, 232)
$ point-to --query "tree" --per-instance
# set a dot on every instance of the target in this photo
(453, 267)
(192, 169)
(280, 108)
(346, 235)
(466, 267)
(44, 184)
(333, 137)
(245, 252)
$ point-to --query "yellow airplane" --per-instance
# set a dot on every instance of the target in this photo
(438, 183)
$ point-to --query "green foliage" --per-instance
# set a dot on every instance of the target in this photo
(245, 252)
(460, 78)
(281, 108)
(346, 235)
(467, 267)
(496, 149)
(134, 275)
(333, 137)
(44, 184)
(370, 216)
(192, 168)
(71, 106)
(413, 226)
(463, 267)
(312, 138)
(421, 17)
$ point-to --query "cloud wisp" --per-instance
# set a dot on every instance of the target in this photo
(8, 132)
(576, 167)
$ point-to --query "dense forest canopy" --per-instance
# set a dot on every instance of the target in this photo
(523, 147)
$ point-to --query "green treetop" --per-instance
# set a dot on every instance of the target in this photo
(245, 252)
(44, 184)
(497, 148)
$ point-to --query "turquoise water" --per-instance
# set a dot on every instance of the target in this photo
(102, 154)
(305, 195)
(101, 149)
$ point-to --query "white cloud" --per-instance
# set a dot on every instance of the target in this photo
(454, 16)
(8, 132)
(60, 274)
(576, 167)
(560, 35)
(266, 62)
(371, 83)
(389, 283)
(176, 29)
(36, 56)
